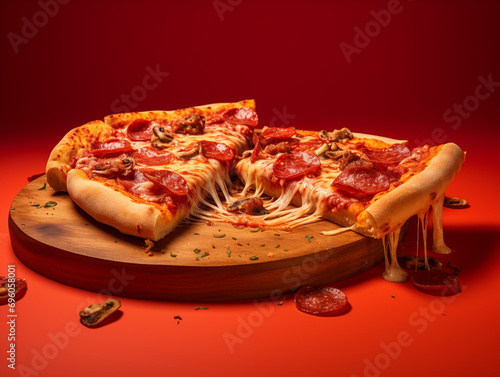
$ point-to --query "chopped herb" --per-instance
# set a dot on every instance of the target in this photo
(197, 251)
(277, 246)
(228, 252)
(285, 249)
(201, 308)
(43, 187)
(12, 209)
(204, 255)
(254, 258)
(173, 255)
(262, 245)
(255, 230)
(219, 235)
(309, 238)
(277, 234)
(35, 204)
(196, 234)
(234, 238)
(197, 258)
(456, 271)
(50, 204)
(23, 224)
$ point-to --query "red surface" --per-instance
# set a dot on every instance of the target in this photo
(422, 77)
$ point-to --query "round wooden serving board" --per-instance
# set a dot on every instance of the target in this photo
(195, 262)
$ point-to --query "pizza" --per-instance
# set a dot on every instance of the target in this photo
(143, 173)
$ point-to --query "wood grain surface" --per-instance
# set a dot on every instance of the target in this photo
(55, 238)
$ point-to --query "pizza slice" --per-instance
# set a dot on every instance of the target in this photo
(371, 185)
(143, 173)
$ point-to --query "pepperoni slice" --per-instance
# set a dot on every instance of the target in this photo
(152, 157)
(110, 148)
(308, 145)
(140, 130)
(362, 180)
(13, 288)
(242, 115)
(436, 282)
(289, 166)
(324, 301)
(169, 181)
(219, 151)
(273, 134)
(389, 156)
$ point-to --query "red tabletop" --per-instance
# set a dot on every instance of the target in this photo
(428, 73)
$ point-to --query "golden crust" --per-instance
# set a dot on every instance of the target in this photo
(112, 208)
(58, 164)
(414, 196)
(207, 110)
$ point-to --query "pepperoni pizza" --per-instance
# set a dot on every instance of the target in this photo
(143, 173)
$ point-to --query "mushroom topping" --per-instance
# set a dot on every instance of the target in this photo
(250, 206)
(191, 124)
(281, 147)
(455, 203)
(96, 313)
(336, 135)
(188, 154)
(160, 138)
(114, 167)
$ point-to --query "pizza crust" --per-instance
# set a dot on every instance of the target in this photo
(113, 208)
(414, 196)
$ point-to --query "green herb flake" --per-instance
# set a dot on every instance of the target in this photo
(197, 251)
(173, 255)
(228, 252)
(255, 230)
(309, 238)
(35, 204)
(204, 255)
(50, 204)
(285, 249)
(219, 235)
(277, 246)
(234, 238)
(262, 245)
(254, 258)
(12, 209)
(43, 187)
(196, 234)
(201, 308)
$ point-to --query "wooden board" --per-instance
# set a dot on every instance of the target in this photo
(195, 262)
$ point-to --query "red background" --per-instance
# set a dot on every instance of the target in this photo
(425, 61)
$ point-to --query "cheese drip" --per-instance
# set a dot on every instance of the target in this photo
(393, 271)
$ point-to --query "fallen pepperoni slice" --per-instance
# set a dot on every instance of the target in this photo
(140, 130)
(219, 151)
(169, 181)
(363, 181)
(152, 157)
(436, 282)
(275, 134)
(242, 115)
(289, 166)
(12, 288)
(324, 301)
(389, 156)
(110, 148)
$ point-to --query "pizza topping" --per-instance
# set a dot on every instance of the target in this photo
(160, 138)
(250, 206)
(336, 135)
(114, 167)
(187, 154)
(274, 149)
(152, 157)
(389, 156)
(324, 301)
(95, 314)
(140, 130)
(243, 115)
(219, 151)
(413, 262)
(455, 203)
(191, 124)
(352, 160)
(289, 166)
(335, 155)
(436, 282)
(110, 148)
(362, 181)
(169, 181)
(274, 134)
(13, 288)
